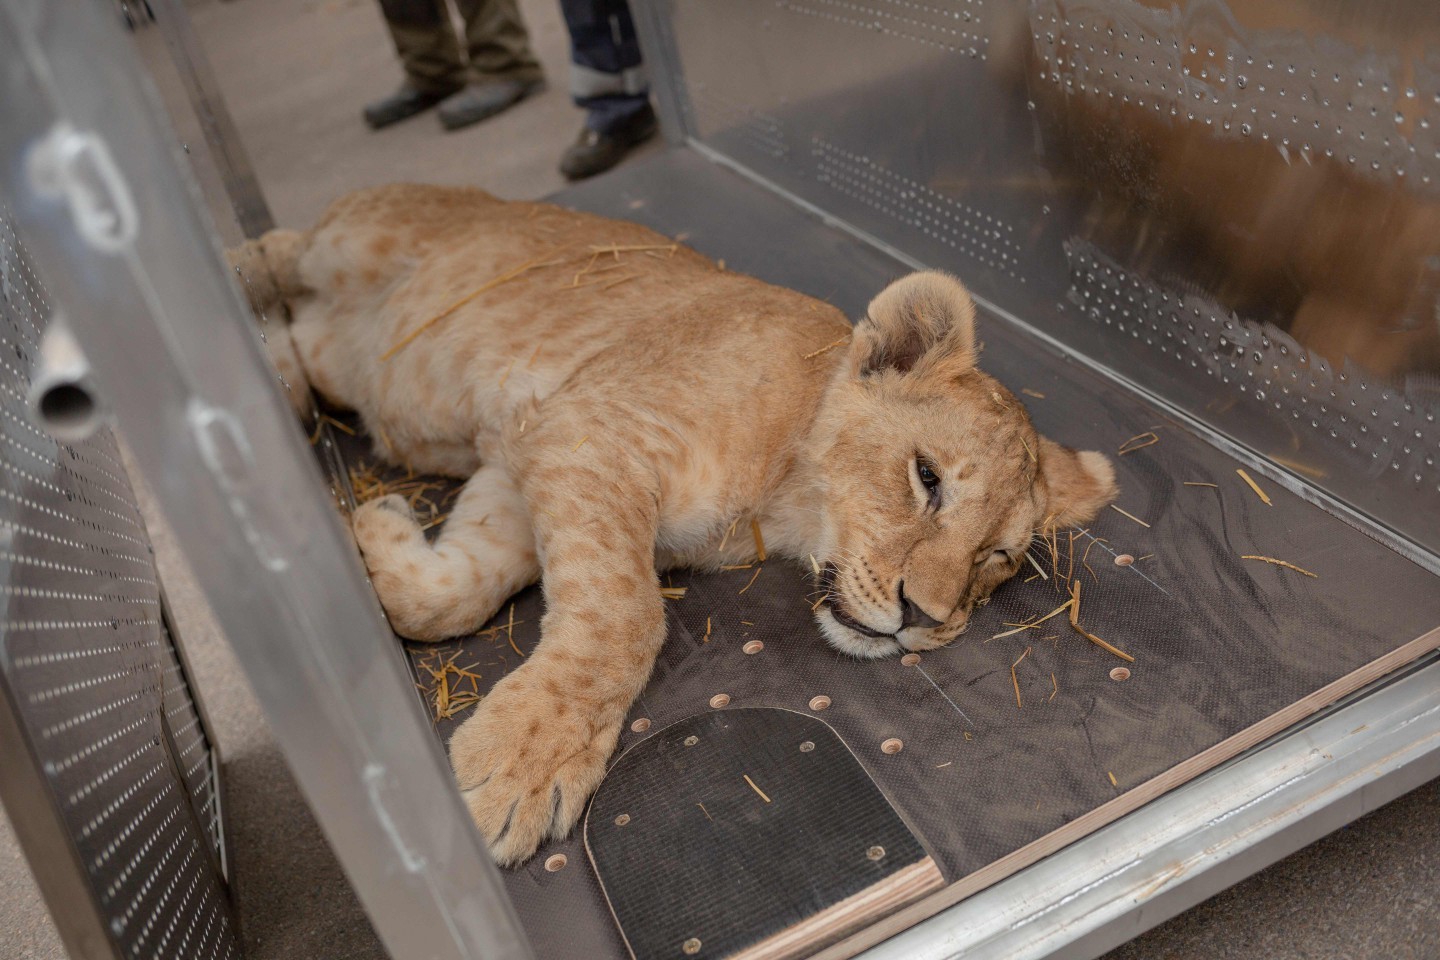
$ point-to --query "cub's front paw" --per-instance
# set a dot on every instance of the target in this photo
(527, 762)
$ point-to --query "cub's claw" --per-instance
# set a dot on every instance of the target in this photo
(526, 765)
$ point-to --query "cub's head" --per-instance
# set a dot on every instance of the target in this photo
(934, 479)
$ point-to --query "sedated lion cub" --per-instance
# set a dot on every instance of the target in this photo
(618, 403)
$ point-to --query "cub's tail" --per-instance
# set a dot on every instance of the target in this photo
(269, 267)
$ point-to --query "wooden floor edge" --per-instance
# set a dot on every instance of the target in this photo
(1131, 800)
(892, 893)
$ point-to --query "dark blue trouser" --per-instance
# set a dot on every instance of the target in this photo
(607, 79)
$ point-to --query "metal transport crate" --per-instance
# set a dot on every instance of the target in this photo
(1159, 211)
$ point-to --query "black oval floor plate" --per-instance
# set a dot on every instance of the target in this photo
(748, 833)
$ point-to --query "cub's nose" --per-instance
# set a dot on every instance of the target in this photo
(910, 613)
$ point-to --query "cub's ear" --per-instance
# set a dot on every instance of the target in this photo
(1077, 485)
(920, 323)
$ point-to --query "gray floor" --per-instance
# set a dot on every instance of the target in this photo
(296, 73)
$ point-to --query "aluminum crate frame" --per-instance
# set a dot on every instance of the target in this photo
(192, 396)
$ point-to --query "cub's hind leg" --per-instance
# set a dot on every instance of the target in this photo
(485, 553)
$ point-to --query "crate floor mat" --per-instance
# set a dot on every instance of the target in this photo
(999, 748)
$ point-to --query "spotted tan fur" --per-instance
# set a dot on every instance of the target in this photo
(617, 427)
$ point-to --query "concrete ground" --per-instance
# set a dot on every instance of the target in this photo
(296, 73)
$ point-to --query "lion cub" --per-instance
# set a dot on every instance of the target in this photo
(618, 403)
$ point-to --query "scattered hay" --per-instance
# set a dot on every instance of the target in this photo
(1256, 487)
(1281, 563)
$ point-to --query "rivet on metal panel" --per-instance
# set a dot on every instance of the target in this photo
(819, 703)
(556, 862)
(720, 700)
(754, 646)
(893, 745)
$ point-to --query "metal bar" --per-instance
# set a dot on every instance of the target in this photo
(251, 210)
(1199, 839)
(657, 44)
(181, 366)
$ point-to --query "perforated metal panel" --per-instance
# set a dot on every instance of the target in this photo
(93, 680)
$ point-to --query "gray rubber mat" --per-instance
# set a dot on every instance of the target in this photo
(990, 762)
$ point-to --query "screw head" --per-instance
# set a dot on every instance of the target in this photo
(875, 853)
(753, 647)
(556, 862)
(720, 700)
(691, 946)
(1124, 560)
(806, 747)
(893, 745)
(1120, 673)
(910, 659)
(691, 740)
(623, 819)
(819, 703)
(641, 725)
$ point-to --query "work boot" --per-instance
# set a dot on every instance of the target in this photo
(480, 101)
(401, 105)
(594, 152)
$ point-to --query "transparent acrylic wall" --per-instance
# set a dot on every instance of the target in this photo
(1236, 207)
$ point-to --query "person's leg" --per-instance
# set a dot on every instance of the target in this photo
(497, 40)
(503, 71)
(430, 54)
(608, 82)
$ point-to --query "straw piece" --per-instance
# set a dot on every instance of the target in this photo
(1036, 565)
(825, 349)
(752, 581)
(1113, 782)
(531, 361)
(1033, 458)
(491, 284)
(510, 631)
(736, 566)
(1282, 563)
(1256, 487)
(1030, 626)
(580, 444)
(1054, 688)
(706, 638)
(759, 539)
(630, 248)
(1130, 515)
(672, 593)
(755, 788)
(814, 565)
(1196, 483)
(1032, 393)
(1016, 680)
(1130, 446)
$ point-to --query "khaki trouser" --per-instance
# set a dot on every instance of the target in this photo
(495, 40)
